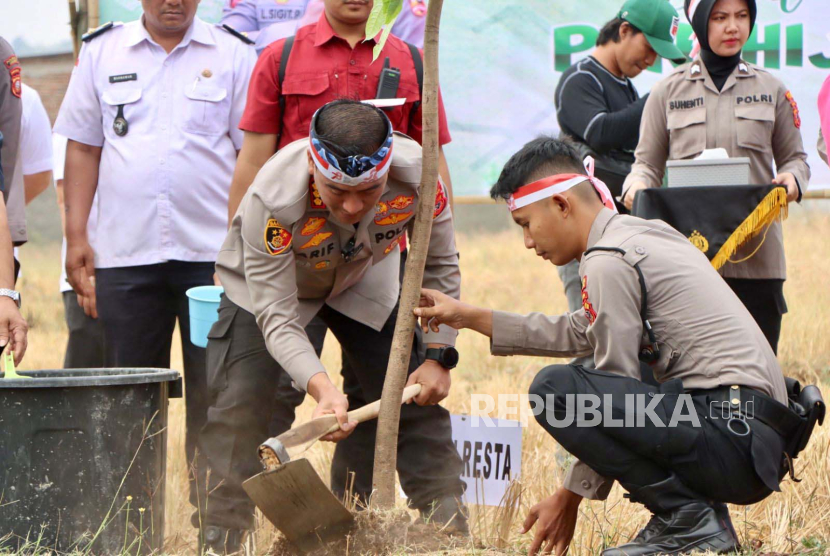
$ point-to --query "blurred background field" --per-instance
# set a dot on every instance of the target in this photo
(499, 272)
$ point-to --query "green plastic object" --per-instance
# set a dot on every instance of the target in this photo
(8, 366)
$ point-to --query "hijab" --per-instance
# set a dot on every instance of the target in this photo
(719, 67)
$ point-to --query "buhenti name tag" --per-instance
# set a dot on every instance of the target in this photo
(123, 77)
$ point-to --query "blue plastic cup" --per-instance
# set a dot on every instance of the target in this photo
(204, 311)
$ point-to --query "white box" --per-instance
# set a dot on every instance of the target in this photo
(695, 173)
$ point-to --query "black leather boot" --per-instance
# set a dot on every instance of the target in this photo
(447, 513)
(682, 523)
(218, 541)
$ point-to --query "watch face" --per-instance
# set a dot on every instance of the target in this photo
(450, 357)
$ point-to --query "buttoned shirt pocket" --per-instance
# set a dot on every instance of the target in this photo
(754, 123)
(126, 98)
(306, 92)
(206, 109)
(687, 133)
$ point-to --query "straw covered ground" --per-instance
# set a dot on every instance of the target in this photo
(499, 272)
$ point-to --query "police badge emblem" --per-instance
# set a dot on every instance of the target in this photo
(277, 238)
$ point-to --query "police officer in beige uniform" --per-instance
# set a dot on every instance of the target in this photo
(317, 233)
(648, 295)
(719, 100)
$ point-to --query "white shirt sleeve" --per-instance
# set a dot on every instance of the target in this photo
(35, 135)
(59, 155)
(80, 117)
(246, 60)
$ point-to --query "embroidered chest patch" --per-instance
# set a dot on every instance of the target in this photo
(590, 314)
(312, 226)
(317, 240)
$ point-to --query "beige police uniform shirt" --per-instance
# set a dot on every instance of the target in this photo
(753, 116)
(282, 258)
(706, 336)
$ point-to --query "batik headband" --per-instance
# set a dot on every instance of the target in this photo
(552, 185)
(351, 170)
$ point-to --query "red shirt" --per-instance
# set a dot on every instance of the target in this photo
(323, 67)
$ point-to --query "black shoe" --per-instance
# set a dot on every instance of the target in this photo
(694, 527)
(218, 541)
(447, 513)
(655, 525)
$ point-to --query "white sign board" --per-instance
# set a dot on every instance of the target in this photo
(491, 450)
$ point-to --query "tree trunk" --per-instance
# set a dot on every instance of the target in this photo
(386, 445)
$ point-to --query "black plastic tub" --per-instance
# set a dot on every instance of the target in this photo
(83, 454)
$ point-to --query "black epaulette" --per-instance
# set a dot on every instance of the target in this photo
(241, 36)
(89, 35)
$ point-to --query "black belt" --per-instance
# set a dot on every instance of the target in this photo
(794, 423)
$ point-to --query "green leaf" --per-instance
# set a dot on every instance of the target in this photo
(376, 19)
(379, 46)
(392, 8)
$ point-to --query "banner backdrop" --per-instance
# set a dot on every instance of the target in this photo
(501, 60)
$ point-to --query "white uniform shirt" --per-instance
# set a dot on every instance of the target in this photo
(34, 155)
(163, 186)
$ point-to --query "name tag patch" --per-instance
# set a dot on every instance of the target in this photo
(755, 99)
(124, 77)
(685, 104)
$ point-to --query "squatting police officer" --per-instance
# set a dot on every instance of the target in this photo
(648, 294)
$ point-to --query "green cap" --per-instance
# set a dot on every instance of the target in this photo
(659, 22)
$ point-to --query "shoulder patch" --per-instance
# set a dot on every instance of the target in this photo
(796, 116)
(241, 36)
(13, 66)
(98, 31)
(586, 303)
(440, 200)
(277, 238)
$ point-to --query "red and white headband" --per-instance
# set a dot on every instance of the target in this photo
(553, 185)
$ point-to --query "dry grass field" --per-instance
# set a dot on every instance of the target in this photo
(499, 272)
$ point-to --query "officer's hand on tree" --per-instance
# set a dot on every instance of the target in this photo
(788, 180)
(330, 400)
(555, 519)
(13, 329)
(80, 273)
(628, 200)
(434, 380)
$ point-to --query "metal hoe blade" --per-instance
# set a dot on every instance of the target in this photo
(299, 504)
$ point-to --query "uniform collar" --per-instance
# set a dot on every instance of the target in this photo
(324, 33)
(697, 71)
(598, 227)
(198, 31)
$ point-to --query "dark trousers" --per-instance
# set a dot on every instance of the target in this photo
(709, 459)
(85, 345)
(242, 379)
(764, 299)
(138, 307)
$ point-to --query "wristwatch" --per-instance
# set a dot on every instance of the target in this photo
(12, 294)
(447, 356)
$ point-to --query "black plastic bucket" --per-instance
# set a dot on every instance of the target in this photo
(83, 454)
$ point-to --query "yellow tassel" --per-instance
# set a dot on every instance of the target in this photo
(773, 207)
